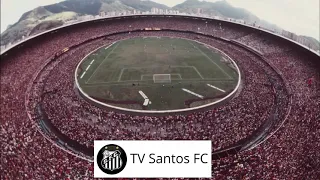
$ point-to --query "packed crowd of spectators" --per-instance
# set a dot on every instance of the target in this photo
(64, 106)
(272, 86)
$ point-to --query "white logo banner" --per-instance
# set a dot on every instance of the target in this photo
(152, 159)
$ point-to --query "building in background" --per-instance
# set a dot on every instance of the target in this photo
(112, 13)
(154, 10)
(102, 13)
(199, 11)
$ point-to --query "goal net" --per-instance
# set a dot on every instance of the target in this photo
(162, 78)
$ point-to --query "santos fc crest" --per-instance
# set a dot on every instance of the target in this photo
(111, 159)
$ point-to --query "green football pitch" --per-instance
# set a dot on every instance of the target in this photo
(155, 73)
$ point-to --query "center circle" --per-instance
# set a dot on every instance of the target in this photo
(157, 75)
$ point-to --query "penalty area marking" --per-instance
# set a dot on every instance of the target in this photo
(94, 73)
(210, 60)
(86, 69)
(193, 93)
(216, 88)
(198, 72)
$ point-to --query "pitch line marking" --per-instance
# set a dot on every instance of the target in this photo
(94, 73)
(143, 75)
(193, 68)
(102, 83)
(198, 72)
(193, 93)
(211, 60)
(83, 75)
(146, 99)
(119, 78)
(146, 102)
(177, 75)
(216, 88)
(86, 69)
(143, 95)
(108, 83)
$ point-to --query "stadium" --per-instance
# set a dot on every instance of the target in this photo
(253, 93)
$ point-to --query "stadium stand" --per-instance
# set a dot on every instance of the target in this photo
(39, 99)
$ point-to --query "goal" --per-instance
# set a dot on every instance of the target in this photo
(162, 78)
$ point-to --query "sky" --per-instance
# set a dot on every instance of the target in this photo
(298, 16)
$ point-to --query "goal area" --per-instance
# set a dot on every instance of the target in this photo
(162, 78)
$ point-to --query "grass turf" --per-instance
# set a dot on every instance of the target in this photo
(121, 70)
